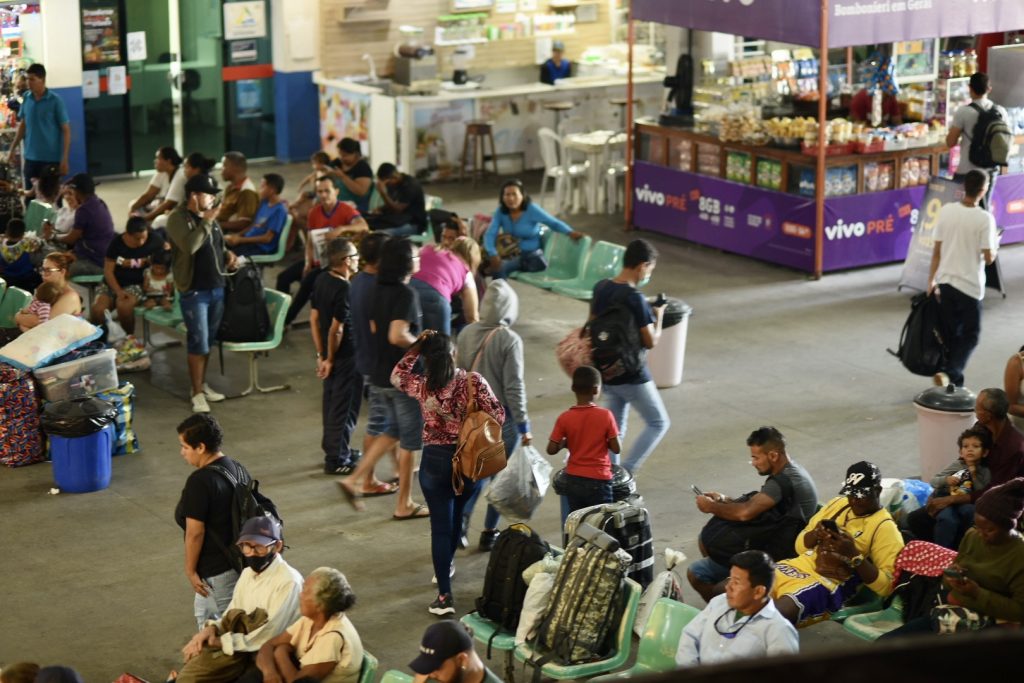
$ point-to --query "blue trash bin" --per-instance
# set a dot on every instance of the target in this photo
(83, 463)
(82, 439)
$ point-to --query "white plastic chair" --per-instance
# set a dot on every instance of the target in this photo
(613, 163)
(565, 176)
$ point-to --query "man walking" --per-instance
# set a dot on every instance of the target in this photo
(43, 124)
(965, 242)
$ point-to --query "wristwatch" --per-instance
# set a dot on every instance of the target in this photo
(856, 561)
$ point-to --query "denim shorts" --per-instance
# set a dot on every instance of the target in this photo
(404, 420)
(708, 571)
(202, 310)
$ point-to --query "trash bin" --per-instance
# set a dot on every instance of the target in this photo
(942, 414)
(623, 483)
(666, 359)
(82, 438)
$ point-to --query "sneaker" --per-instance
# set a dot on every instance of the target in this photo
(342, 470)
(444, 604)
(199, 404)
(211, 395)
(463, 538)
(354, 456)
(451, 574)
(941, 379)
(487, 539)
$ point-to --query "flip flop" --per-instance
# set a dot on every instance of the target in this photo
(381, 489)
(351, 497)
(415, 514)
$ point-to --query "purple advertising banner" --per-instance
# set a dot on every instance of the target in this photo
(851, 22)
(773, 226)
(1008, 207)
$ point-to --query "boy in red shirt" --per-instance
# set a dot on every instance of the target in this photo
(589, 432)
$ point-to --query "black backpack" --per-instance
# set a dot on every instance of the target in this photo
(246, 318)
(922, 349)
(246, 502)
(617, 349)
(515, 549)
(991, 138)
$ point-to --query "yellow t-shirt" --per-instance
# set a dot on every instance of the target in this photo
(337, 642)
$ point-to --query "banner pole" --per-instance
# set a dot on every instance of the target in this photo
(629, 124)
(819, 178)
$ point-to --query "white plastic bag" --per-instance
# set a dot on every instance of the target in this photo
(518, 490)
(535, 603)
(665, 585)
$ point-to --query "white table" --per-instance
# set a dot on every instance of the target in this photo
(593, 144)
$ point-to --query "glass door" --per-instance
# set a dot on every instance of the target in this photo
(105, 102)
(200, 85)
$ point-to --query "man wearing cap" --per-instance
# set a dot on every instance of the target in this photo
(93, 229)
(447, 656)
(850, 542)
(199, 264)
(265, 602)
(742, 623)
(556, 66)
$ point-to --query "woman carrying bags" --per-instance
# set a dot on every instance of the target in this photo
(444, 393)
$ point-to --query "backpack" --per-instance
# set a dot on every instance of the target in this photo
(246, 318)
(515, 549)
(480, 452)
(991, 138)
(774, 531)
(585, 604)
(922, 349)
(616, 347)
(629, 523)
(246, 502)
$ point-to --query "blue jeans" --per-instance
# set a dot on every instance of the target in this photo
(582, 492)
(213, 605)
(445, 509)
(403, 415)
(34, 169)
(437, 310)
(527, 262)
(647, 401)
(510, 436)
(202, 310)
(402, 230)
(952, 523)
(708, 571)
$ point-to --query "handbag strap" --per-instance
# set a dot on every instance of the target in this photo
(480, 351)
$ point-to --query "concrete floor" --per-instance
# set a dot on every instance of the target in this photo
(95, 581)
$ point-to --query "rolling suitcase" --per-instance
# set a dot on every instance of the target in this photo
(628, 522)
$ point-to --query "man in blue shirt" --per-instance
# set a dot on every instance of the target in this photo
(263, 235)
(742, 623)
(44, 126)
(557, 66)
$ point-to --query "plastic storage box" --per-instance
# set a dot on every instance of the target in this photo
(80, 377)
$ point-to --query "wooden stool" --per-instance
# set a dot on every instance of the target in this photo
(558, 108)
(476, 133)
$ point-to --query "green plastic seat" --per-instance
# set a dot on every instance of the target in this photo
(277, 306)
(395, 676)
(282, 246)
(618, 656)
(863, 601)
(3, 288)
(36, 213)
(605, 261)
(504, 641)
(368, 670)
(14, 300)
(566, 259)
(872, 625)
(660, 640)
(89, 282)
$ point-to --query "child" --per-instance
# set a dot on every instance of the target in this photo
(158, 281)
(957, 485)
(46, 295)
(16, 250)
(589, 432)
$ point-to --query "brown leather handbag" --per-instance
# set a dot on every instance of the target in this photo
(480, 452)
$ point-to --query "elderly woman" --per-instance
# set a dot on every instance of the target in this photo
(323, 644)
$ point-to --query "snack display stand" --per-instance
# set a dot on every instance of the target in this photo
(765, 202)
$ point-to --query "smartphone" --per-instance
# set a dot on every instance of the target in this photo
(831, 525)
(696, 491)
(954, 573)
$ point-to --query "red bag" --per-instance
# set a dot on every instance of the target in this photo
(574, 351)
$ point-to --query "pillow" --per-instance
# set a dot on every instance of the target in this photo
(40, 345)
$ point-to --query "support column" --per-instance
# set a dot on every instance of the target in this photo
(296, 54)
(62, 56)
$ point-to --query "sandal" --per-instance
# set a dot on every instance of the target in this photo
(381, 489)
(420, 511)
(351, 497)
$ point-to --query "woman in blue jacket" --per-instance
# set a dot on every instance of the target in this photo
(516, 227)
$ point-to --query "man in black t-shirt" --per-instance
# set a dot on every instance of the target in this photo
(127, 258)
(330, 325)
(394, 325)
(351, 174)
(404, 209)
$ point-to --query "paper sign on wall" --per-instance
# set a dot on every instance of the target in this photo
(117, 80)
(136, 46)
(245, 20)
(90, 84)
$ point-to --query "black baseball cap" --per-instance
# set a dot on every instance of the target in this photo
(201, 182)
(862, 478)
(82, 182)
(441, 641)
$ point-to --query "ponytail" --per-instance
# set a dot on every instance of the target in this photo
(436, 353)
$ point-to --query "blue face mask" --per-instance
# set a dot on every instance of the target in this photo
(644, 280)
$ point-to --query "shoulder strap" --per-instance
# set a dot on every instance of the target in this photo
(976, 107)
(480, 351)
(840, 511)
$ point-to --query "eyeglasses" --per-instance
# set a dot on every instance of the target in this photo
(255, 549)
(41, 269)
(354, 255)
(732, 631)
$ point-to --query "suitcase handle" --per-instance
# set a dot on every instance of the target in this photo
(595, 536)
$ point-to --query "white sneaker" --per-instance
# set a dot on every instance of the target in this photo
(199, 404)
(211, 395)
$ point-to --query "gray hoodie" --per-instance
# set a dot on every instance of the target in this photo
(501, 362)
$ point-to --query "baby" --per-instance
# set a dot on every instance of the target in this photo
(46, 295)
(159, 282)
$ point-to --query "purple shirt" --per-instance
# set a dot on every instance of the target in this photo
(97, 226)
(442, 270)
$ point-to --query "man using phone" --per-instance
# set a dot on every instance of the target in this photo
(766, 520)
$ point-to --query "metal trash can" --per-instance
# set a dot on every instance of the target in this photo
(81, 432)
(666, 359)
(943, 413)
